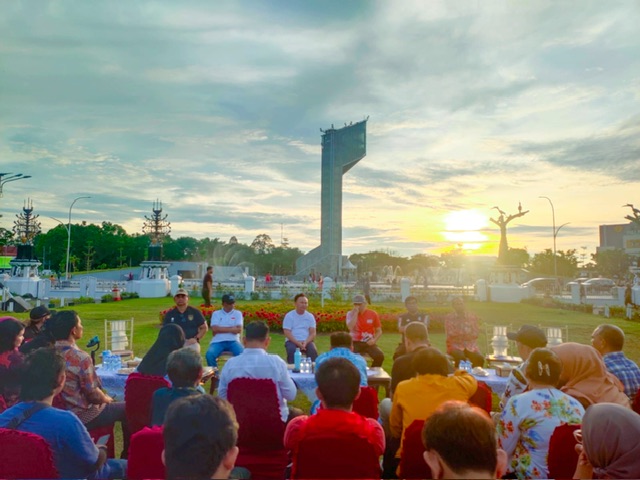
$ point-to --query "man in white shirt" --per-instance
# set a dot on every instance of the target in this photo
(255, 362)
(226, 325)
(300, 329)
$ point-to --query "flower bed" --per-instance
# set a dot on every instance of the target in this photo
(329, 319)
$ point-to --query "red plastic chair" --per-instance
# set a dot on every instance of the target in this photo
(331, 456)
(25, 455)
(636, 402)
(145, 454)
(367, 403)
(562, 458)
(261, 430)
(483, 397)
(138, 393)
(412, 464)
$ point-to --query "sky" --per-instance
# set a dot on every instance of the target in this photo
(215, 109)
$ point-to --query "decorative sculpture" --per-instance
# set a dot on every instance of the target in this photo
(502, 221)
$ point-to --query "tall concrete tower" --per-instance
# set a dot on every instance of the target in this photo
(341, 149)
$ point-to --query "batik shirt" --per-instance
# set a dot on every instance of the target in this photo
(80, 382)
(526, 425)
(626, 370)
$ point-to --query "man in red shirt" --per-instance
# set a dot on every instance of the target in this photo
(338, 386)
(365, 329)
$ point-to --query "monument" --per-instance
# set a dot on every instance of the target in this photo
(342, 148)
(504, 285)
(24, 268)
(154, 279)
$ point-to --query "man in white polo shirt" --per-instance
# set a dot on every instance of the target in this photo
(226, 325)
(300, 329)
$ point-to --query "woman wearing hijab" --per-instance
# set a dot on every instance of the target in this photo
(170, 338)
(610, 447)
(529, 419)
(585, 377)
(11, 360)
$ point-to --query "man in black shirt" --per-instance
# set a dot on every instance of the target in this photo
(189, 318)
(411, 315)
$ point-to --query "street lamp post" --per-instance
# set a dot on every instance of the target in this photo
(11, 178)
(555, 234)
(66, 273)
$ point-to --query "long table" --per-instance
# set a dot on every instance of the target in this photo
(306, 382)
(112, 382)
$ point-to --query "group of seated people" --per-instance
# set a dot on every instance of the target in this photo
(48, 386)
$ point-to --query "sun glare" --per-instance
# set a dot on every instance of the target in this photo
(464, 227)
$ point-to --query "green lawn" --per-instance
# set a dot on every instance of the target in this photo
(146, 311)
(146, 315)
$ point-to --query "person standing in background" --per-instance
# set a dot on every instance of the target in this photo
(207, 286)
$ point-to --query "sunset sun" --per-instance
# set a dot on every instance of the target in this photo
(465, 227)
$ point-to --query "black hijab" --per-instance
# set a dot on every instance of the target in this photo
(170, 338)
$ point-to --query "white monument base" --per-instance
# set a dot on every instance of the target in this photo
(507, 293)
(32, 285)
(152, 288)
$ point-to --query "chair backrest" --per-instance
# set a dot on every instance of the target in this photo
(412, 464)
(562, 458)
(255, 402)
(138, 393)
(145, 454)
(25, 455)
(367, 403)
(483, 397)
(333, 456)
(636, 402)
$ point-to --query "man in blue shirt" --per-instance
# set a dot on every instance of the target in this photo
(342, 346)
(75, 455)
(609, 340)
(184, 367)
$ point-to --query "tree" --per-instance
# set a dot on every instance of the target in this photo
(517, 256)
(262, 244)
(567, 262)
(612, 263)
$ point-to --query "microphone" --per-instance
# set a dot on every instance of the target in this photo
(93, 342)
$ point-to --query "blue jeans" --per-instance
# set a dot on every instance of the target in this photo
(215, 349)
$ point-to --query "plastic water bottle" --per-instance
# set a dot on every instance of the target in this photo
(297, 357)
(105, 359)
(468, 366)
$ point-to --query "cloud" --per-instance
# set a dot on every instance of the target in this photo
(215, 108)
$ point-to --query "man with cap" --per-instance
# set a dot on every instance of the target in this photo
(527, 339)
(226, 326)
(299, 328)
(37, 317)
(190, 319)
(365, 329)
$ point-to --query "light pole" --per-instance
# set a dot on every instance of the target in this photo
(66, 273)
(11, 178)
(555, 234)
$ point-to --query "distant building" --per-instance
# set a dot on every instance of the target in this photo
(624, 236)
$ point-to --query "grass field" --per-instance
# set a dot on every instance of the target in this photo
(146, 315)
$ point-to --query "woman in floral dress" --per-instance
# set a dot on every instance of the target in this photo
(528, 420)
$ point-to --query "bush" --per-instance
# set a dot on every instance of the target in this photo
(83, 300)
(107, 298)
